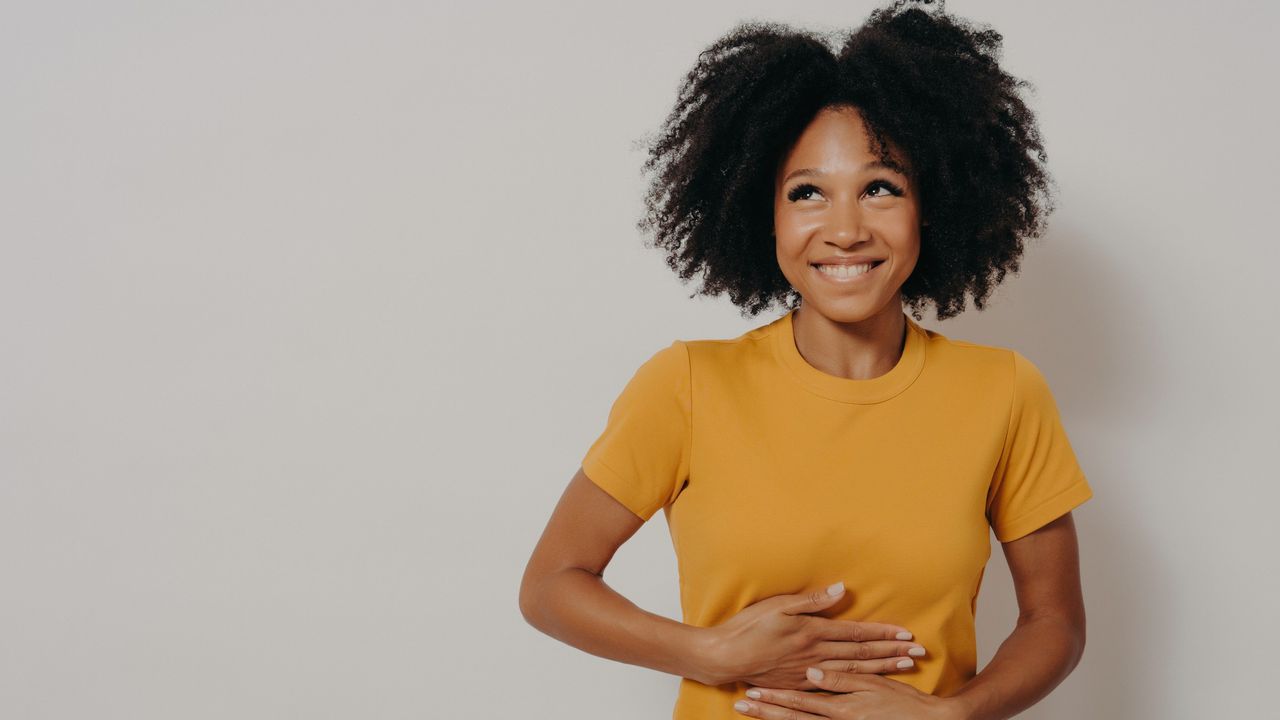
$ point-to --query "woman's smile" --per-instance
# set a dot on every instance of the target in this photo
(846, 275)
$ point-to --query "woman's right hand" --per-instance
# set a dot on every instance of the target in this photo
(770, 643)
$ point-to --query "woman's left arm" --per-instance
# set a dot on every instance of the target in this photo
(1042, 650)
(1048, 641)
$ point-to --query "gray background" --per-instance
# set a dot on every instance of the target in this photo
(311, 309)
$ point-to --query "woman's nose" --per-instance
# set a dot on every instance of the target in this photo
(846, 224)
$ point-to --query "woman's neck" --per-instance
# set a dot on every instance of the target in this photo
(858, 350)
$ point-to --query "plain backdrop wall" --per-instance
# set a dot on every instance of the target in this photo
(311, 309)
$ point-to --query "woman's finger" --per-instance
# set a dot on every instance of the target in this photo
(843, 682)
(835, 629)
(877, 666)
(836, 650)
(775, 704)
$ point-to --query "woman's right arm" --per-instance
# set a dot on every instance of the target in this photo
(770, 642)
(564, 595)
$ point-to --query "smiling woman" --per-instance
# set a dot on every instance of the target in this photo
(947, 127)
(834, 189)
(831, 477)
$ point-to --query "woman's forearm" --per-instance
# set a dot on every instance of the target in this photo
(1038, 655)
(575, 606)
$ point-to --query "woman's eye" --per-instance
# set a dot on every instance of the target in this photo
(877, 189)
(890, 188)
(800, 192)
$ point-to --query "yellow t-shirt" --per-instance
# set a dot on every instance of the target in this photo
(776, 477)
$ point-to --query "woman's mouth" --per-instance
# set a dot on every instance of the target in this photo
(846, 274)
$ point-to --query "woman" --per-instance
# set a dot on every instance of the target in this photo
(841, 444)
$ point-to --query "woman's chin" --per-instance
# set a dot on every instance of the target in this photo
(849, 309)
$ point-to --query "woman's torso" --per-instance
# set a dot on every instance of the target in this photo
(796, 482)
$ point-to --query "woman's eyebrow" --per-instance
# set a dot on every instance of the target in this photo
(819, 172)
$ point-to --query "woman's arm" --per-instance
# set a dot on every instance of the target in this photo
(563, 594)
(1049, 638)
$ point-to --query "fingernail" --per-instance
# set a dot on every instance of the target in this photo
(836, 589)
(814, 674)
(753, 694)
(742, 706)
(906, 663)
(917, 651)
(904, 635)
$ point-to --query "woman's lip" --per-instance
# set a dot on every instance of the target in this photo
(845, 281)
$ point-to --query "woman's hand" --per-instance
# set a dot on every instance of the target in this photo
(862, 697)
(773, 641)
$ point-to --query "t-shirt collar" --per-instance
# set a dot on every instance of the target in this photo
(872, 390)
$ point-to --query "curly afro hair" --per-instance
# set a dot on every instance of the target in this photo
(926, 83)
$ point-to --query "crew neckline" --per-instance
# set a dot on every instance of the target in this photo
(841, 389)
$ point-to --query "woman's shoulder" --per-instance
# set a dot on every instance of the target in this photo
(970, 356)
(969, 350)
(732, 351)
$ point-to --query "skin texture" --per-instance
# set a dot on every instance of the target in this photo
(564, 595)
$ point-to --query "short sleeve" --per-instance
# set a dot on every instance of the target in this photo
(642, 456)
(1037, 478)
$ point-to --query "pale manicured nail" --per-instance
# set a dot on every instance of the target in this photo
(906, 663)
(741, 706)
(814, 674)
(904, 635)
(917, 651)
(836, 589)
(753, 694)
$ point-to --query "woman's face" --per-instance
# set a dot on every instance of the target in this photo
(836, 205)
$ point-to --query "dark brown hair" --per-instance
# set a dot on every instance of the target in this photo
(926, 82)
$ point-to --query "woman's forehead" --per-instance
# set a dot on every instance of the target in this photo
(839, 139)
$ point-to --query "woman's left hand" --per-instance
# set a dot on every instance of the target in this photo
(862, 697)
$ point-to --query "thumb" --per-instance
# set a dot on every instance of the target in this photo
(815, 600)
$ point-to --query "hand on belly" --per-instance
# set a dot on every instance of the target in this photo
(773, 641)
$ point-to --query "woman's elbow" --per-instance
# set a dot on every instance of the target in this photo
(528, 600)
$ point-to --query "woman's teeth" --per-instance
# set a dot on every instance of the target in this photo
(845, 271)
